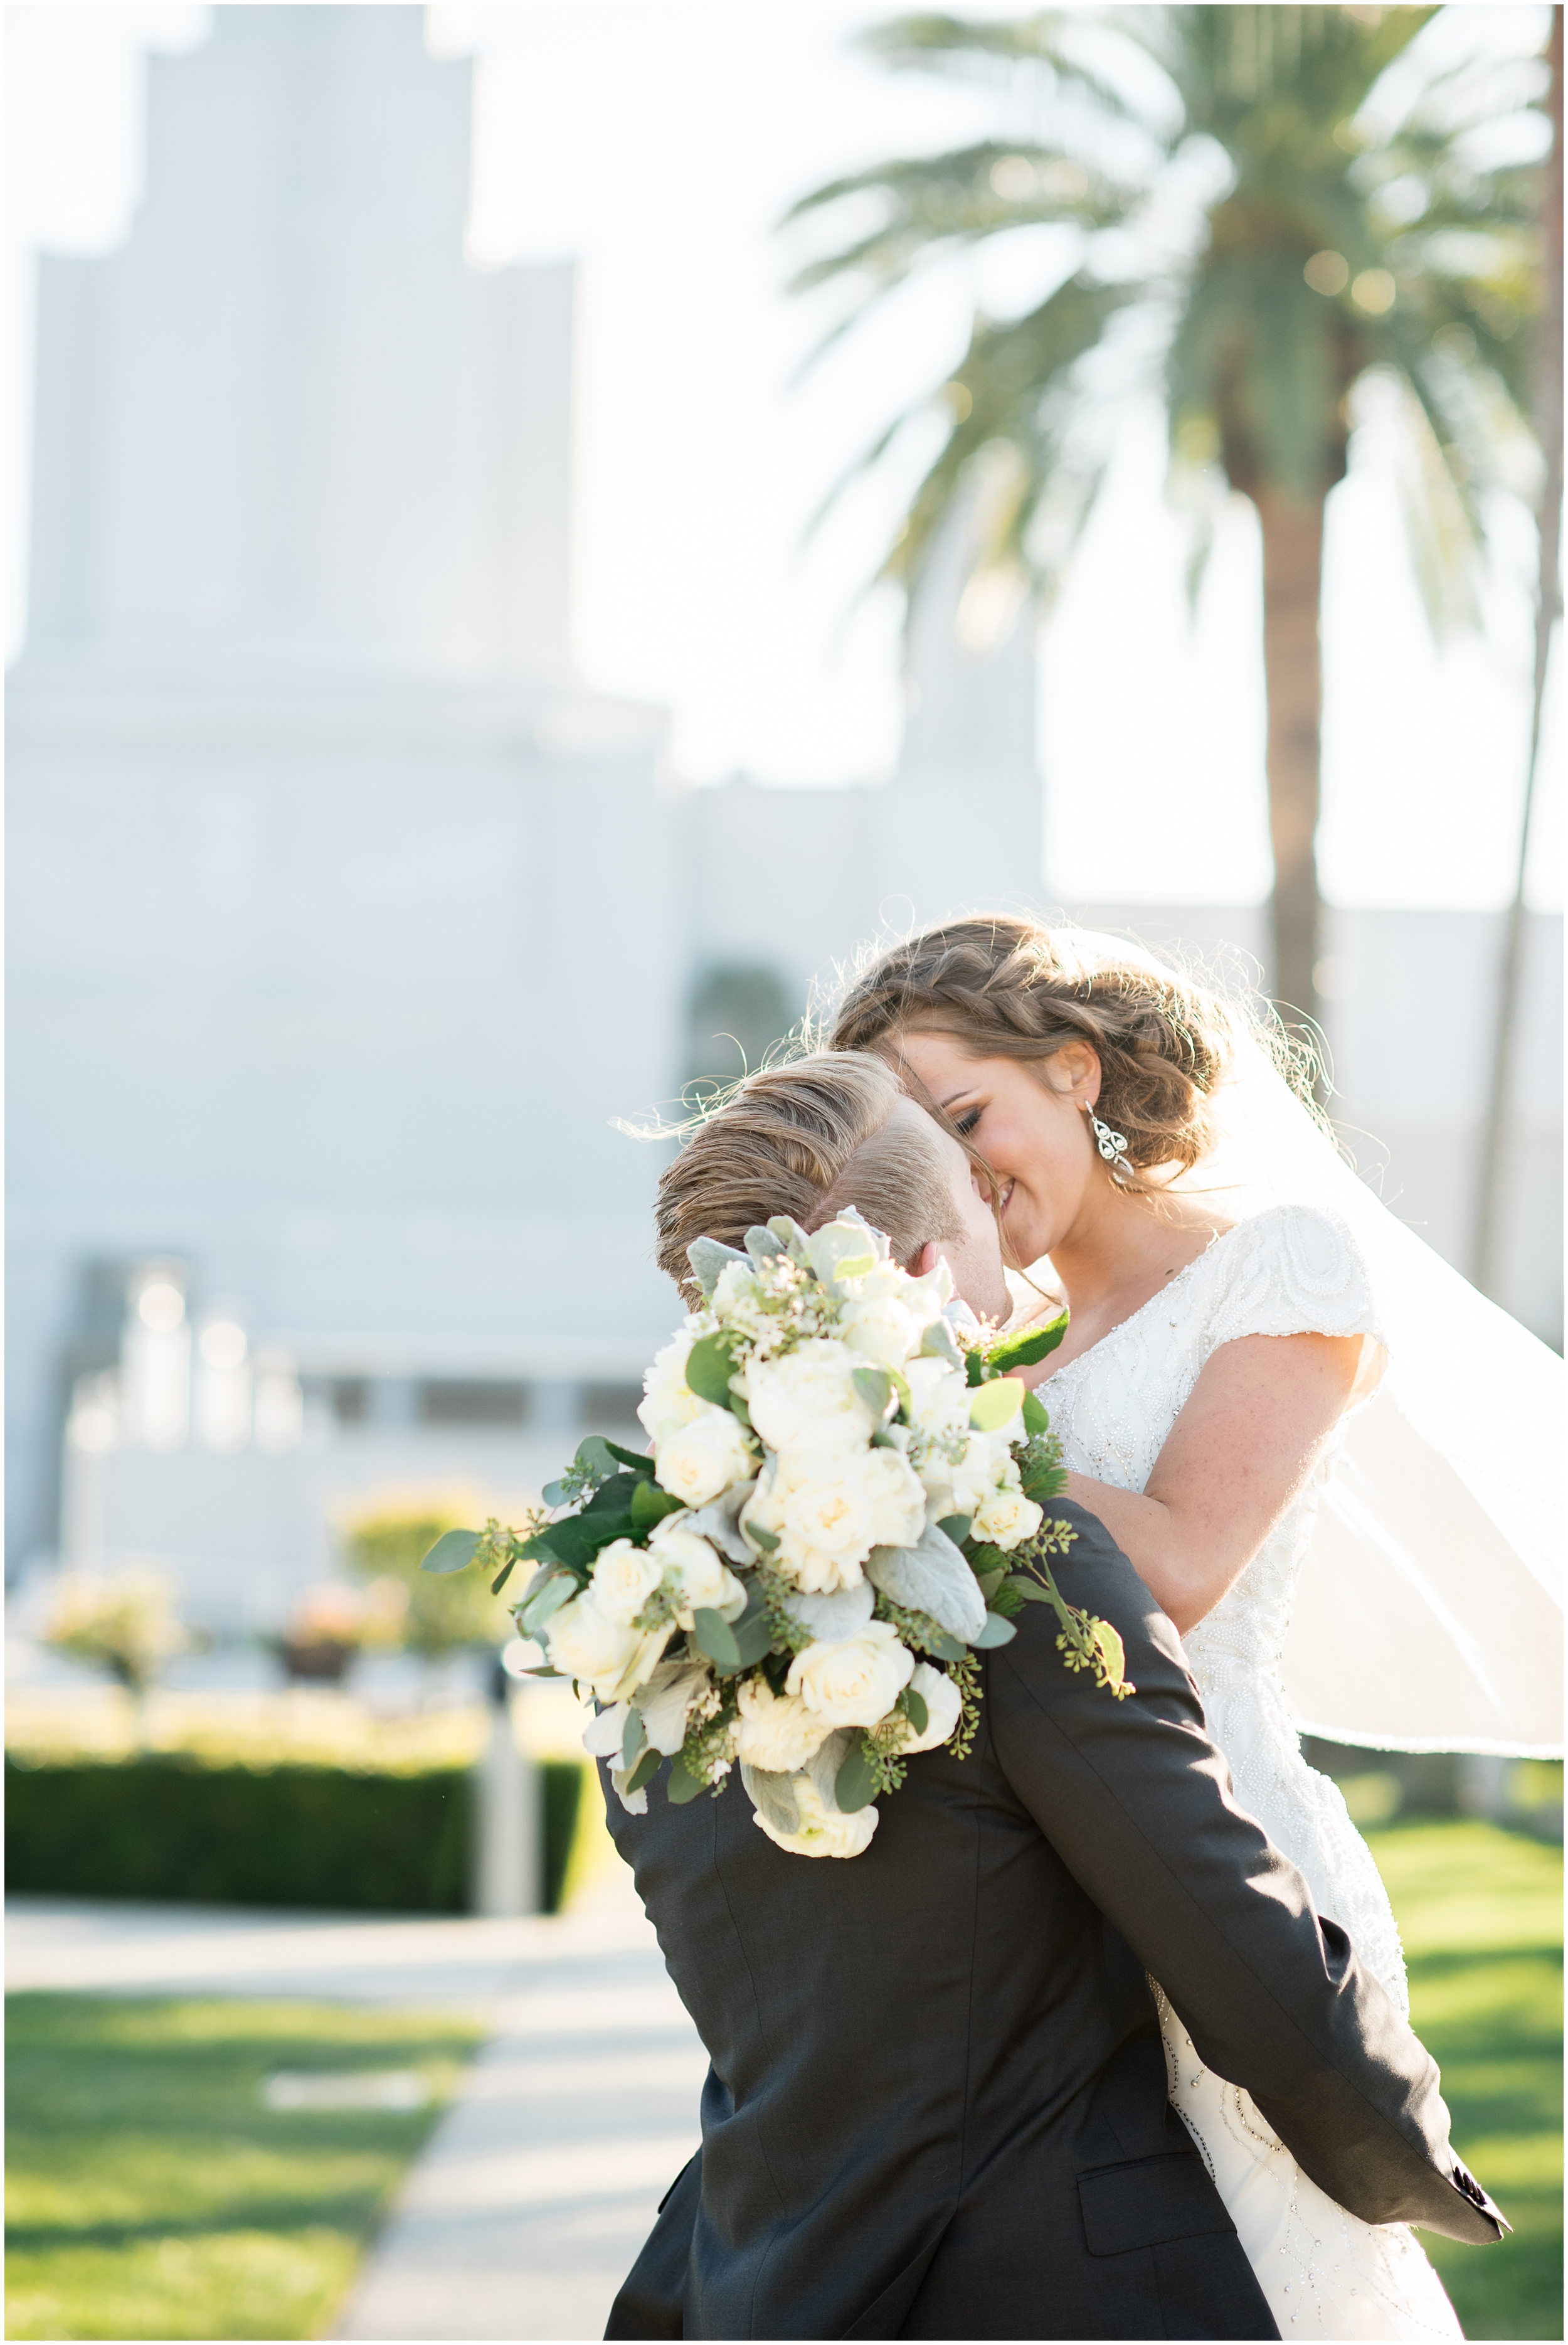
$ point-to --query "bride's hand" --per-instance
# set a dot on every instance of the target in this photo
(1253, 1430)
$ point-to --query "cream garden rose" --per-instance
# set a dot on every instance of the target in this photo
(777, 1731)
(854, 1680)
(693, 1574)
(624, 1576)
(880, 1329)
(701, 1462)
(828, 1510)
(808, 1396)
(1007, 1517)
(822, 1831)
(668, 1401)
(606, 1656)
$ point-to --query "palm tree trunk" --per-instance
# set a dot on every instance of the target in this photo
(1293, 666)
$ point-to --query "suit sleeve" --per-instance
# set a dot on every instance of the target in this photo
(1136, 1800)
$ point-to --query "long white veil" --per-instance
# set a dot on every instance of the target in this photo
(1429, 1614)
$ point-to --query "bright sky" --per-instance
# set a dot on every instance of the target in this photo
(658, 144)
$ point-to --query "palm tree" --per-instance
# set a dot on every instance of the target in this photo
(1255, 208)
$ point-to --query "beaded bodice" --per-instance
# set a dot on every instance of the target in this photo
(1291, 1271)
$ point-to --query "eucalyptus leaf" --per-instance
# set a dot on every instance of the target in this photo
(710, 1364)
(503, 1574)
(554, 1494)
(1028, 1592)
(709, 1261)
(558, 1589)
(683, 1785)
(594, 1455)
(996, 1632)
(957, 1527)
(855, 1783)
(874, 1386)
(715, 1637)
(931, 1577)
(643, 1772)
(1034, 1417)
(914, 1710)
(995, 1404)
(453, 1551)
(752, 1636)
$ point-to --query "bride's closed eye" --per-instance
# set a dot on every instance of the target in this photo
(966, 1122)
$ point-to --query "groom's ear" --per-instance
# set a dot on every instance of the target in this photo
(926, 1260)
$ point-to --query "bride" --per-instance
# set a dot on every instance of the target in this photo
(1262, 1371)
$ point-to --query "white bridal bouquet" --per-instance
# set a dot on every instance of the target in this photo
(841, 1504)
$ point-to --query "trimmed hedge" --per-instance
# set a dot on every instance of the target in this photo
(168, 1826)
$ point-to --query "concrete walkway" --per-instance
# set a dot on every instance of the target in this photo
(540, 2181)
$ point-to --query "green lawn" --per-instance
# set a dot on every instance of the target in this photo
(152, 2194)
(1480, 1913)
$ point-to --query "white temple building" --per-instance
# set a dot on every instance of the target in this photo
(346, 922)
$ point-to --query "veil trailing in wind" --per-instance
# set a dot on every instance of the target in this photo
(1428, 1613)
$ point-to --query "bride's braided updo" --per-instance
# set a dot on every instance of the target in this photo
(1007, 988)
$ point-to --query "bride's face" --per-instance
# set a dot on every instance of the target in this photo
(1027, 1121)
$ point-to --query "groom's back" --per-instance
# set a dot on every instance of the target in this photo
(938, 2102)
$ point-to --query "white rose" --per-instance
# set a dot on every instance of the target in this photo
(821, 1831)
(855, 1681)
(808, 1396)
(703, 1461)
(624, 1576)
(777, 1732)
(609, 1657)
(829, 1509)
(668, 1401)
(880, 1329)
(1007, 1517)
(977, 1473)
(940, 1695)
(938, 1396)
(695, 1577)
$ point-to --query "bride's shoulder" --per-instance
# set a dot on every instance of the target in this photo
(1288, 1270)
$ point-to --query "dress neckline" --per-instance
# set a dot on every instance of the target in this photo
(1133, 1316)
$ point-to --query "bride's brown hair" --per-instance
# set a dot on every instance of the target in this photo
(1007, 988)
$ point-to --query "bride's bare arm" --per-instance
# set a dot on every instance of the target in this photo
(1249, 1437)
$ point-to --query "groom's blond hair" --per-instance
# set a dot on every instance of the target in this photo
(808, 1139)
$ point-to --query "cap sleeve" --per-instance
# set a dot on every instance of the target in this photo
(1293, 1270)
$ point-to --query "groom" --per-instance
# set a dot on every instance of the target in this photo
(937, 2105)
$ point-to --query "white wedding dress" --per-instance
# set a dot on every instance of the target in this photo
(1291, 1270)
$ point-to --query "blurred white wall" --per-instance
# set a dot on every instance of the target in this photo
(344, 922)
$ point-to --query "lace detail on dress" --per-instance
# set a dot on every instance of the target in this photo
(1287, 1271)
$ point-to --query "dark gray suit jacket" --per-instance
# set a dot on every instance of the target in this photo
(937, 2104)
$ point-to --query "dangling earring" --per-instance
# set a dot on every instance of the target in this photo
(1112, 1145)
